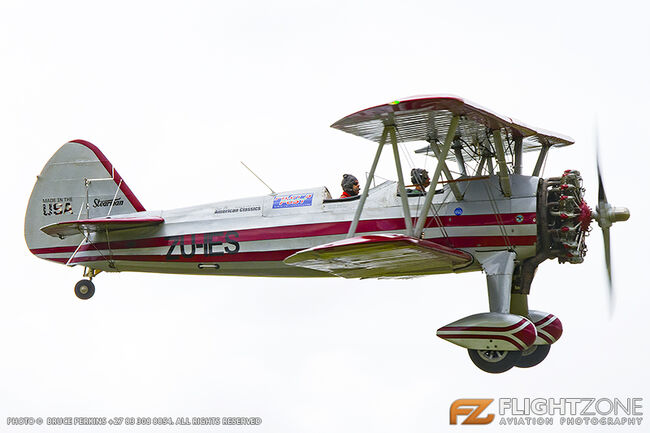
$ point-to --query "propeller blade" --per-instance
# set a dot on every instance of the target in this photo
(601, 189)
(602, 197)
(608, 263)
(602, 210)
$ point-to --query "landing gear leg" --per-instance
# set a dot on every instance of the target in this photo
(499, 268)
(85, 289)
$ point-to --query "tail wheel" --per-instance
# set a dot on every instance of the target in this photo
(84, 289)
(494, 361)
(533, 355)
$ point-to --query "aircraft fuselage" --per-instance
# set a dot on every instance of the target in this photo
(252, 236)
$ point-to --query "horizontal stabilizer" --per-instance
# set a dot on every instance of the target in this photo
(380, 255)
(75, 227)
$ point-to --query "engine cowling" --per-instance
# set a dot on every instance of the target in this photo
(567, 217)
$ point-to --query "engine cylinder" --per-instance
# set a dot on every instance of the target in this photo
(567, 217)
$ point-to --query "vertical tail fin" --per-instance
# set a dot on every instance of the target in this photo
(78, 182)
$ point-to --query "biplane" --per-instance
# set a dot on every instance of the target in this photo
(480, 213)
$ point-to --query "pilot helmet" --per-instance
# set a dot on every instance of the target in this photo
(348, 183)
(420, 176)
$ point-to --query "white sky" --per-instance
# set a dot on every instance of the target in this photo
(177, 93)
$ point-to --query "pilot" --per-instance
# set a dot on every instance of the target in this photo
(420, 180)
(350, 186)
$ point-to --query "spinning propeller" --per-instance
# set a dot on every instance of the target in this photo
(606, 215)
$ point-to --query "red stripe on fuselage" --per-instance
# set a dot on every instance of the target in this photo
(338, 228)
(254, 256)
(457, 242)
(279, 255)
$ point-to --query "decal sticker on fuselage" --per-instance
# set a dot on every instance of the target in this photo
(292, 200)
(244, 208)
(57, 206)
(211, 244)
(458, 211)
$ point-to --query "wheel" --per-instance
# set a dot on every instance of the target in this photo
(494, 361)
(84, 289)
(533, 355)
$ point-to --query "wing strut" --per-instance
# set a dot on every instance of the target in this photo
(542, 157)
(518, 153)
(419, 228)
(388, 129)
(454, 188)
(366, 187)
(485, 153)
(400, 182)
(501, 161)
(460, 160)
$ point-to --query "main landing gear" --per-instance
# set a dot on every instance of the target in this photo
(510, 334)
(533, 355)
(494, 361)
(500, 361)
(85, 289)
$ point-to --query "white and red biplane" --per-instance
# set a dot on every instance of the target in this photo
(487, 216)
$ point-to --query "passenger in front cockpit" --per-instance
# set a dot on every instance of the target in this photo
(350, 186)
(420, 180)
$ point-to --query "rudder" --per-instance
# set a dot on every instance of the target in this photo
(78, 182)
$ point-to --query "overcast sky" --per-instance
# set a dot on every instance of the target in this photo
(177, 93)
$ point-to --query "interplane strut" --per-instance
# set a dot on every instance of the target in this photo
(419, 228)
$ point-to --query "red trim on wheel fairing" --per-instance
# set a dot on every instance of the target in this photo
(111, 169)
(553, 328)
(483, 328)
(483, 337)
(528, 334)
(540, 334)
(544, 319)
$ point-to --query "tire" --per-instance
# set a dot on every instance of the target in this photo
(533, 355)
(84, 289)
(494, 361)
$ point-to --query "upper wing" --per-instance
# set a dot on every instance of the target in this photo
(423, 117)
(75, 227)
(380, 255)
